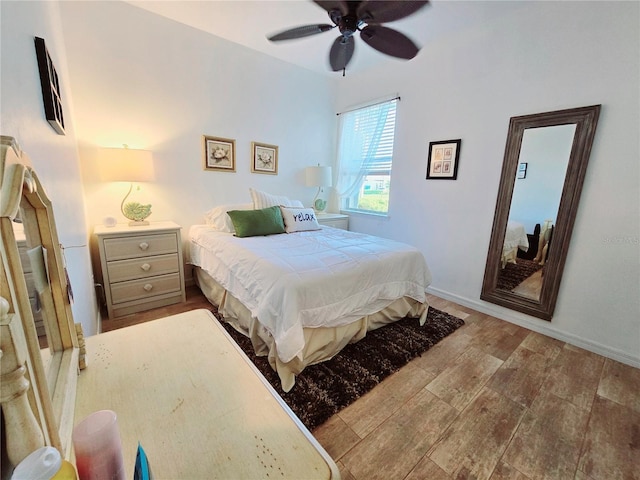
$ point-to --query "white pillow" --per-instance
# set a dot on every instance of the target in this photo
(266, 200)
(299, 219)
(218, 219)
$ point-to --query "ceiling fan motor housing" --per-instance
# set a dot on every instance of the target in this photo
(348, 25)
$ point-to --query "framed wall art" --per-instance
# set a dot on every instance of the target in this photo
(522, 170)
(264, 158)
(219, 153)
(50, 85)
(442, 163)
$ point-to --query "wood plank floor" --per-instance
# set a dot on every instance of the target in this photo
(531, 286)
(491, 401)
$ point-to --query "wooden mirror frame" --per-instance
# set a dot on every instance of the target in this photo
(37, 395)
(586, 120)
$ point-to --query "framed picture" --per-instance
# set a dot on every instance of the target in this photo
(50, 86)
(522, 170)
(219, 154)
(442, 163)
(264, 158)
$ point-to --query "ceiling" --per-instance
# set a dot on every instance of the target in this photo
(248, 22)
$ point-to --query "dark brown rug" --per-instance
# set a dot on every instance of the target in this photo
(324, 389)
(513, 274)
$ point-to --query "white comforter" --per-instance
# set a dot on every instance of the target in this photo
(321, 278)
(516, 236)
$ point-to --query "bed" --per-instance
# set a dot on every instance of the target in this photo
(515, 238)
(302, 296)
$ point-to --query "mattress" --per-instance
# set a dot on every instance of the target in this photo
(515, 238)
(320, 343)
(322, 278)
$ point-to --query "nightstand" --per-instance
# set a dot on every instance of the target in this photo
(337, 220)
(142, 267)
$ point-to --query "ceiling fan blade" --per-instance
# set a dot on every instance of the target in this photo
(341, 53)
(299, 32)
(389, 41)
(374, 12)
(333, 5)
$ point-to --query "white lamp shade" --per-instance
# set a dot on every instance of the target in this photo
(318, 176)
(126, 165)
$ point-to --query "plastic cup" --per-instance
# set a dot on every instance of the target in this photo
(97, 447)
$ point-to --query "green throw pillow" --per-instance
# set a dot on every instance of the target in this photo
(251, 223)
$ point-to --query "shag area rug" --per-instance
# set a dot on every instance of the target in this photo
(324, 389)
(513, 274)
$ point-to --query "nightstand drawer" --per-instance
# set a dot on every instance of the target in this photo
(145, 288)
(335, 220)
(139, 246)
(123, 270)
(336, 223)
(31, 284)
(24, 256)
(37, 318)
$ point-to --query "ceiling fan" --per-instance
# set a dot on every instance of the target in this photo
(365, 17)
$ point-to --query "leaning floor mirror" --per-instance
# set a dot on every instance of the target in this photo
(544, 167)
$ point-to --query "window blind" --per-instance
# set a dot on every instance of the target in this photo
(373, 128)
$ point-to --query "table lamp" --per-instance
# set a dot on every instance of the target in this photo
(128, 165)
(318, 177)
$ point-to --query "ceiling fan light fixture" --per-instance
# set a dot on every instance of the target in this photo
(365, 17)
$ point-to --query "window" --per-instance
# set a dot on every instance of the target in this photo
(365, 155)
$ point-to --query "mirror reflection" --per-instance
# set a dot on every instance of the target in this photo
(31, 279)
(537, 188)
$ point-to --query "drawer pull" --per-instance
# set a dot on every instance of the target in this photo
(148, 287)
(143, 246)
(145, 266)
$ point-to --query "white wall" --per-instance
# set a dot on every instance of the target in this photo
(54, 156)
(466, 84)
(143, 80)
(152, 83)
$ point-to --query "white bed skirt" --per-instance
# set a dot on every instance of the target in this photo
(320, 343)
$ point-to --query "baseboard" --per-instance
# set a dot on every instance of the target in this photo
(538, 326)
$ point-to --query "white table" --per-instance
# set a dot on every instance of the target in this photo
(197, 404)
